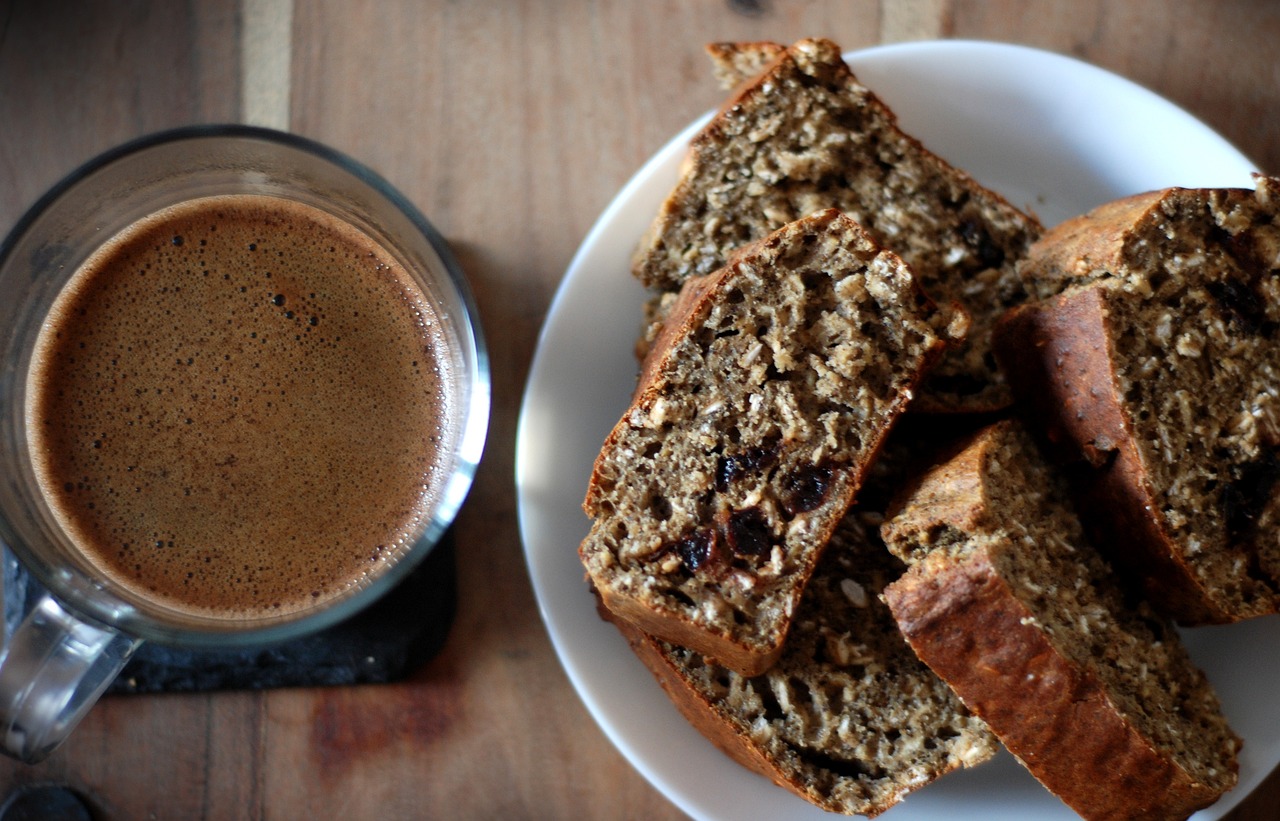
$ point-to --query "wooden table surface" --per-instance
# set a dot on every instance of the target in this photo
(511, 125)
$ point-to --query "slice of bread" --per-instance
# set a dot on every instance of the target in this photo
(805, 135)
(1007, 602)
(758, 412)
(848, 719)
(1156, 371)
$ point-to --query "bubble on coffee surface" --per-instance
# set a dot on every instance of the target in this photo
(237, 407)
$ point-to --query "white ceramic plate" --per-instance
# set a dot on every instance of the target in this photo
(1048, 132)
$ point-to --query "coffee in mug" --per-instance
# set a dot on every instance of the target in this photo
(243, 392)
(235, 407)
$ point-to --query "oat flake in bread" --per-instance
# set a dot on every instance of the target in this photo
(805, 134)
(758, 412)
(848, 719)
(1007, 602)
(1156, 371)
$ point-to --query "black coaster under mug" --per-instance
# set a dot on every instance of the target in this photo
(384, 642)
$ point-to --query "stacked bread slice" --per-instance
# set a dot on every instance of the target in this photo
(803, 135)
(774, 370)
(816, 272)
(758, 412)
(849, 718)
(1155, 367)
(1008, 602)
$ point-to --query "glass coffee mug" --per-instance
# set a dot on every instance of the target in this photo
(83, 631)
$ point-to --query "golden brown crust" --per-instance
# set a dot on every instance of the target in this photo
(1086, 245)
(983, 608)
(1058, 355)
(705, 716)
(1052, 714)
(718, 649)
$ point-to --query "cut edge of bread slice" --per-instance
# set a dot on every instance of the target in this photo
(757, 415)
(1007, 602)
(805, 134)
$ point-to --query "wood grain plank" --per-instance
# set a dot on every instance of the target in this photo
(76, 79)
(266, 54)
(511, 125)
(1196, 53)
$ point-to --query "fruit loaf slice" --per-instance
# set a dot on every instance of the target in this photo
(804, 135)
(1008, 603)
(1157, 371)
(758, 412)
(848, 719)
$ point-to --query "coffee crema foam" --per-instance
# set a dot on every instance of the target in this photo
(237, 408)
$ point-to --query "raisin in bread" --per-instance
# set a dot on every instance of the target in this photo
(758, 412)
(1008, 603)
(848, 719)
(1157, 371)
(805, 135)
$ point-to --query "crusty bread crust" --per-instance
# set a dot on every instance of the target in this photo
(1097, 272)
(1062, 348)
(706, 717)
(1085, 247)
(964, 618)
(720, 649)
(1052, 714)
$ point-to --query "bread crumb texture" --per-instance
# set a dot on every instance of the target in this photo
(996, 545)
(1190, 282)
(806, 135)
(849, 718)
(757, 415)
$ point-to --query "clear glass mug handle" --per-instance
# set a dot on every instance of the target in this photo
(52, 670)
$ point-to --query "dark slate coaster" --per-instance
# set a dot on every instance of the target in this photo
(385, 642)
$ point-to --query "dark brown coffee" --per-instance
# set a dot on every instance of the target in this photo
(237, 407)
